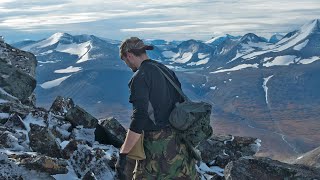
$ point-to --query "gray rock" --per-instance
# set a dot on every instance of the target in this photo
(43, 141)
(10, 170)
(89, 176)
(221, 149)
(85, 159)
(71, 147)
(15, 121)
(61, 105)
(78, 116)
(45, 164)
(60, 128)
(266, 169)
(16, 82)
(110, 131)
(13, 140)
(83, 134)
(24, 61)
(13, 107)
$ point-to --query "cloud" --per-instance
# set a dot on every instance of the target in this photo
(161, 29)
(196, 18)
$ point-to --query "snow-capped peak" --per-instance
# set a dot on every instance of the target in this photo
(217, 40)
(306, 30)
(250, 37)
(56, 37)
(275, 38)
(311, 26)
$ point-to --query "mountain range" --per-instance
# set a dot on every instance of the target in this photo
(262, 88)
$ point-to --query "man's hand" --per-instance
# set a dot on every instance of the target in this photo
(120, 167)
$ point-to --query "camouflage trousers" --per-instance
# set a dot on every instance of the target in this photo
(166, 158)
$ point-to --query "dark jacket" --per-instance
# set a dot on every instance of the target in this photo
(152, 97)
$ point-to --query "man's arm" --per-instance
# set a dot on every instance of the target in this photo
(131, 139)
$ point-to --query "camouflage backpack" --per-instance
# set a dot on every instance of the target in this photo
(191, 120)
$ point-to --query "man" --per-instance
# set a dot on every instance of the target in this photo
(153, 98)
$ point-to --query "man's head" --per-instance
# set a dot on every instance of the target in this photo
(133, 52)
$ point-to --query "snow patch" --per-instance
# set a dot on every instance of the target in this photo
(169, 54)
(51, 40)
(49, 62)
(300, 157)
(236, 68)
(45, 53)
(185, 58)
(281, 61)
(110, 150)
(69, 69)
(256, 147)
(63, 144)
(203, 168)
(236, 57)
(4, 115)
(3, 101)
(310, 60)
(230, 140)
(81, 50)
(2, 91)
(202, 55)
(53, 83)
(85, 57)
(265, 87)
(86, 134)
(203, 61)
(300, 46)
(33, 120)
(176, 68)
(267, 59)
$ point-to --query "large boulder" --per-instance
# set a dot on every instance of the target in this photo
(45, 164)
(43, 141)
(93, 161)
(221, 149)
(78, 116)
(22, 60)
(61, 105)
(12, 107)
(15, 121)
(71, 147)
(250, 168)
(10, 170)
(110, 131)
(12, 139)
(60, 128)
(17, 74)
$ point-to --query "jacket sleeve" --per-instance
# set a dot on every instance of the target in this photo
(139, 97)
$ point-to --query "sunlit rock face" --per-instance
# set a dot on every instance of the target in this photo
(17, 69)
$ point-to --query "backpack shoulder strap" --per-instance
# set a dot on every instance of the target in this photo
(173, 84)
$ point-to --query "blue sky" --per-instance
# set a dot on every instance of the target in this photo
(153, 19)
